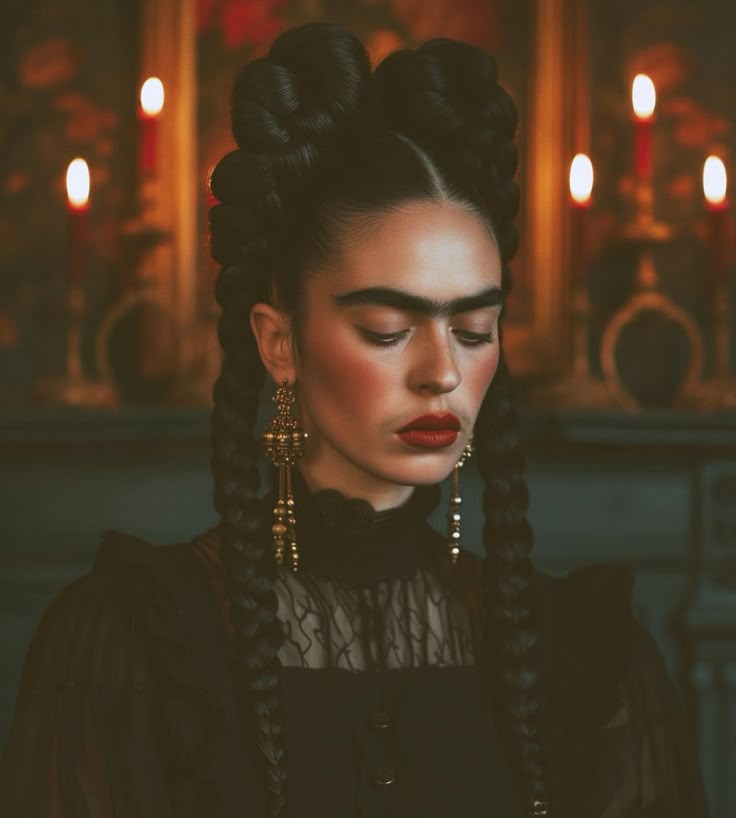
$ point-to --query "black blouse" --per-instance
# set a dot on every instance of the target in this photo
(129, 705)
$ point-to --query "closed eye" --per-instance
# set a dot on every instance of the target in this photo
(473, 339)
(380, 339)
(467, 338)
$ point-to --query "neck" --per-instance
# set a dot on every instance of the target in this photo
(379, 493)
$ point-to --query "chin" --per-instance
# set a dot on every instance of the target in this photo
(424, 471)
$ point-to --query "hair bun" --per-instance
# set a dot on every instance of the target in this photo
(288, 105)
(243, 179)
(469, 74)
(448, 86)
(331, 64)
(445, 96)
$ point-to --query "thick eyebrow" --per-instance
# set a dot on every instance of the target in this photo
(402, 300)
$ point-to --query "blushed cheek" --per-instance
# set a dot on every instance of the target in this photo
(342, 379)
(481, 378)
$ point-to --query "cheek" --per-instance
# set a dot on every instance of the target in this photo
(342, 376)
(479, 378)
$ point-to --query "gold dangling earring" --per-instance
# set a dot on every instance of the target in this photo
(283, 440)
(453, 515)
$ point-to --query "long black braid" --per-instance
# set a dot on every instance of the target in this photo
(445, 96)
(315, 154)
(283, 106)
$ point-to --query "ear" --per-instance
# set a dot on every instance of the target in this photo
(272, 331)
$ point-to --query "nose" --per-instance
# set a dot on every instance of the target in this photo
(434, 368)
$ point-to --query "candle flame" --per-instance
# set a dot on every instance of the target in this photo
(643, 96)
(77, 183)
(715, 180)
(581, 178)
(152, 96)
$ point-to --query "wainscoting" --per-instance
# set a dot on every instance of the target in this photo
(656, 491)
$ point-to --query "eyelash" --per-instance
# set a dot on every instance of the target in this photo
(472, 339)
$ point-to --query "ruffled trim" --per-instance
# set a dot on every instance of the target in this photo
(189, 709)
(356, 517)
(347, 540)
(587, 635)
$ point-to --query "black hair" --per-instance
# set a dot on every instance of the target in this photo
(325, 145)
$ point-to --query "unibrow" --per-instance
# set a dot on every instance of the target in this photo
(402, 300)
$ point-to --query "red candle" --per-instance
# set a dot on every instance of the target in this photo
(581, 189)
(644, 100)
(152, 102)
(715, 185)
(77, 192)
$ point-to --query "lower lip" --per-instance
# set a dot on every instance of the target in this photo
(429, 438)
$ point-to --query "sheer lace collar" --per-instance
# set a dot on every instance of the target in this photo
(346, 539)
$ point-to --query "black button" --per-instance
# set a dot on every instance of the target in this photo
(384, 775)
(381, 720)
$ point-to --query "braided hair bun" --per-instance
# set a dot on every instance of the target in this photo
(445, 96)
(314, 86)
(291, 103)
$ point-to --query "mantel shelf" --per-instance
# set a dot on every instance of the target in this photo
(541, 427)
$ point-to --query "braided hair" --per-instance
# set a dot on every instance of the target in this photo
(467, 122)
(326, 146)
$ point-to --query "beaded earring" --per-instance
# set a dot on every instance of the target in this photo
(453, 515)
(283, 440)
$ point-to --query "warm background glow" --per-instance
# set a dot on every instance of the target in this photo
(714, 180)
(581, 178)
(77, 183)
(152, 96)
(643, 96)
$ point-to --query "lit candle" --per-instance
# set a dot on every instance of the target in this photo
(77, 192)
(644, 100)
(152, 103)
(581, 189)
(715, 184)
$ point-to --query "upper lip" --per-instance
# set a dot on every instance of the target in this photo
(444, 421)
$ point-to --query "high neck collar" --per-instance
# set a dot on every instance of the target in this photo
(346, 539)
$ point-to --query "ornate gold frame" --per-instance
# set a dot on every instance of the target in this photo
(168, 51)
(557, 126)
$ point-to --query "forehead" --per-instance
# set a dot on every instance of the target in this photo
(433, 249)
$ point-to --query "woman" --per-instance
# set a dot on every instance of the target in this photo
(323, 651)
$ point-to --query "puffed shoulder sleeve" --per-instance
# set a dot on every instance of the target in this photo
(619, 742)
(670, 776)
(81, 741)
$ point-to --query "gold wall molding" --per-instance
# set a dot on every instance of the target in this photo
(169, 51)
(557, 124)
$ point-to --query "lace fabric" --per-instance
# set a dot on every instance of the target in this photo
(401, 623)
(367, 595)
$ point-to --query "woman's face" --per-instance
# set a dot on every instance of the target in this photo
(404, 327)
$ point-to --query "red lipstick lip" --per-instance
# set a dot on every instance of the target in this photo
(445, 421)
(429, 438)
